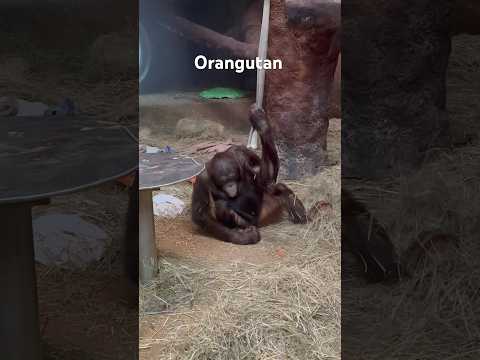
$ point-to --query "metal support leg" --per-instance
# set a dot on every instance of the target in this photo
(19, 323)
(148, 249)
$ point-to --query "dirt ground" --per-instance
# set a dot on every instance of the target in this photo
(196, 272)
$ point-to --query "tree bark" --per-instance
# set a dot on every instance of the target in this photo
(297, 97)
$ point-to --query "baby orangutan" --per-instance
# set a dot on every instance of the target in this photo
(238, 191)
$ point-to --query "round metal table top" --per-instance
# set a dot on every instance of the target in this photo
(42, 157)
(161, 169)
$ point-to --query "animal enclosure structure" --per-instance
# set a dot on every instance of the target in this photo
(305, 35)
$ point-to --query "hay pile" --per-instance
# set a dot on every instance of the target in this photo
(288, 309)
(435, 314)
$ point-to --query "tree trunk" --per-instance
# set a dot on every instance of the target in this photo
(297, 97)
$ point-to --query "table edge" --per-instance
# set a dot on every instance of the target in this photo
(23, 199)
(142, 188)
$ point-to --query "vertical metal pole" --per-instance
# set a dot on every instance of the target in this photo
(19, 323)
(147, 246)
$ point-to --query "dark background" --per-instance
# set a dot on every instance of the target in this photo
(410, 141)
(87, 51)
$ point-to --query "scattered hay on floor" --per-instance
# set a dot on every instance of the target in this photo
(288, 309)
(434, 314)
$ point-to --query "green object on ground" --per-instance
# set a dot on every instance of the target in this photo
(222, 93)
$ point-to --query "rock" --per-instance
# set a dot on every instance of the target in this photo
(68, 241)
(112, 55)
(199, 128)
